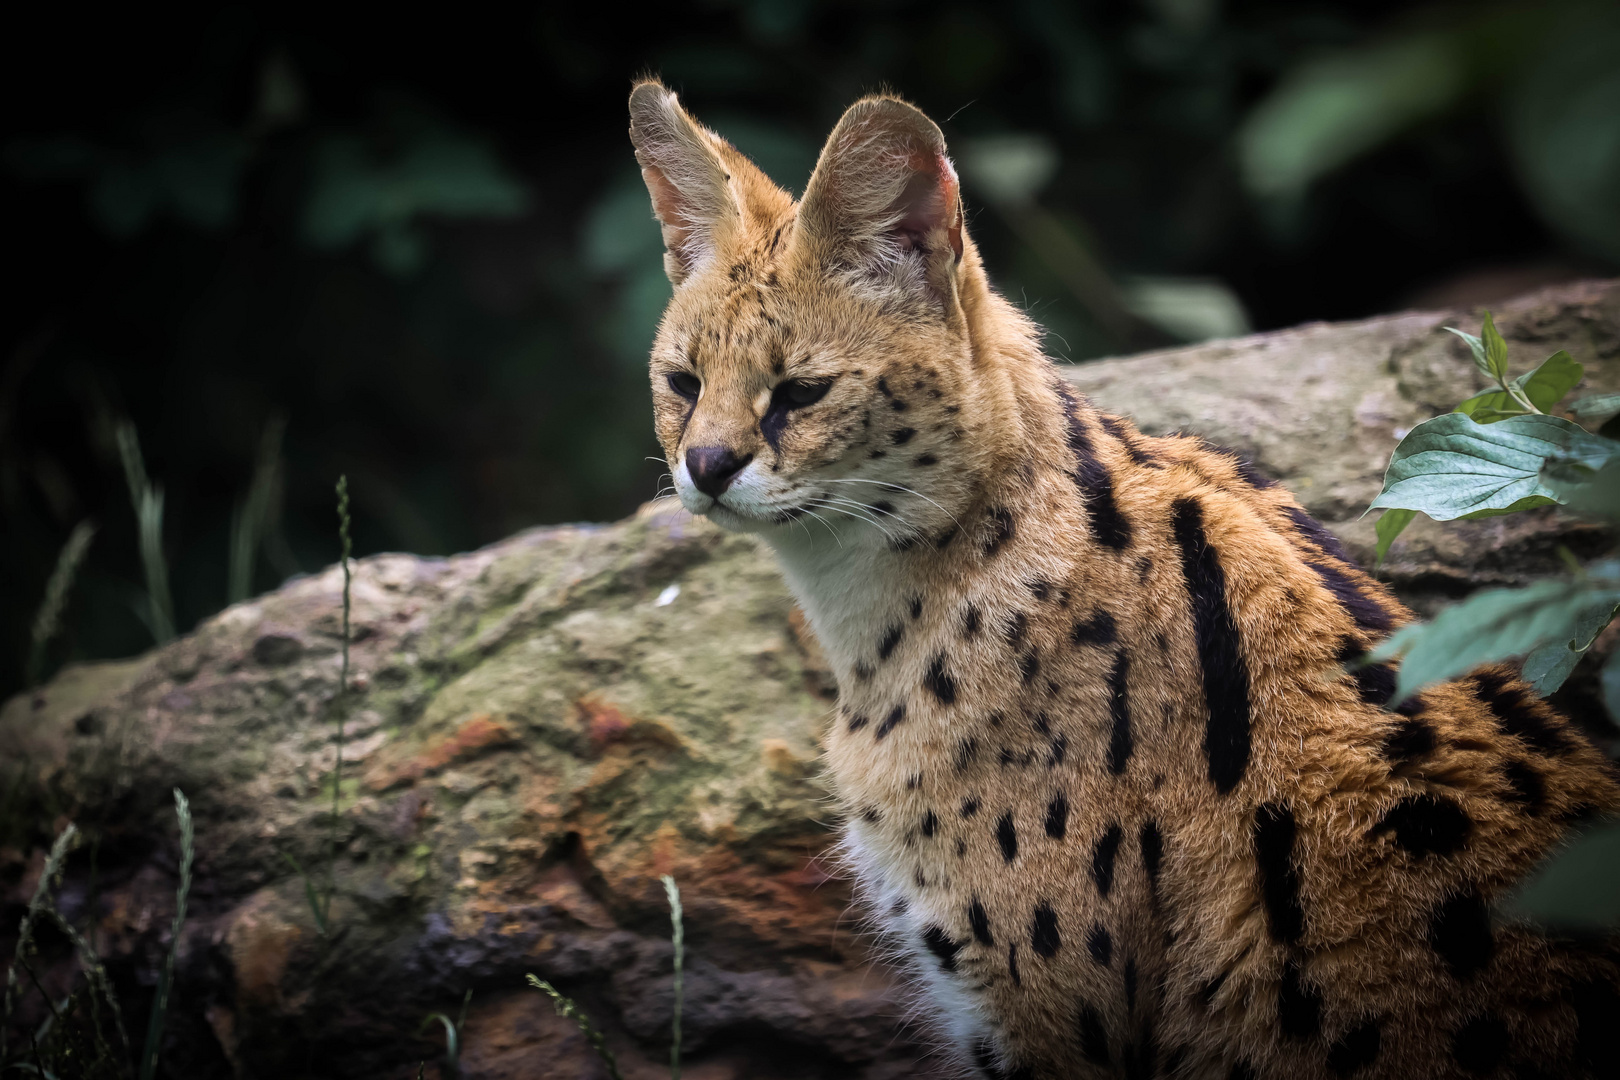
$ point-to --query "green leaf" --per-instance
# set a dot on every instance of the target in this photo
(1546, 668)
(1489, 407)
(1391, 523)
(1529, 502)
(1551, 380)
(1587, 492)
(1495, 351)
(1579, 887)
(1478, 347)
(1492, 625)
(1451, 467)
(1596, 409)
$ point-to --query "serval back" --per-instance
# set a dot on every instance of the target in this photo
(1107, 783)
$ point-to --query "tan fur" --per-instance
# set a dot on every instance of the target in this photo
(942, 515)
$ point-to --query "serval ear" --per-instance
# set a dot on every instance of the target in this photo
(684, 166)
(884, 201)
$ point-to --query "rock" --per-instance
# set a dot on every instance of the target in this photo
(539, 730)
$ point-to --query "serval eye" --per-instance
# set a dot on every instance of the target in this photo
(685, 384)
(797, 393)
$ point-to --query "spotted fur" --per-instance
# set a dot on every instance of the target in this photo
(1108, 787)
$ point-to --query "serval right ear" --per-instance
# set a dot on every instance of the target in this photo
(686, 175)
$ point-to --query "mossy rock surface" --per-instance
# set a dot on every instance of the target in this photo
(540, 729)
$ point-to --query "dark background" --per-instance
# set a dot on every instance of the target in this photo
(420, 242)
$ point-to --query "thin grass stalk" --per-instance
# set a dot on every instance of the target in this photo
(96, 975)
(569, 1010)
(148, 503)
(160, 1004)
(48, 620)
(25, 931)
(677, 938)
(342, 699)
(250, 521)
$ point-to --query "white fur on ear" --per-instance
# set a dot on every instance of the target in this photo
(688, 181)
(884, 199)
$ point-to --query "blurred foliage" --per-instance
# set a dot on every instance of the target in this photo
(424, 243)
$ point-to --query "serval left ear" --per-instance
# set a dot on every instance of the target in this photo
(884, 198)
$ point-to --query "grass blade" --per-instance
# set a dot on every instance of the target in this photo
(25, 931)
(49, 618)
(160, 1004)
(148, 503)
(678, 939)
(568, 1009)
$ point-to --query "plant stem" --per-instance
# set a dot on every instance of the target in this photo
(342, 699)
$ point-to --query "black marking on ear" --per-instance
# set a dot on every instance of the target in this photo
(1597, 1026)
(939, 681)
(1043, 931)
(901, 436)
(1007, 836)
(1426, 824)
(1102, 858)
(1119, 710)
(1525, 785)
(1274, 831)
(1002, 531)
(1480, 1045)
(857, 722)
(1152, 850)
(979, 919)
(930, 824)
(1317, 533)
(943, 946)
(891, 638)
(967, 751)
(1460, 931)
(1093, 1036)
(1226, 674)
(1029, 666)
(1100, 943)
(1517, 714)
(1409, 741)
(1299, 1007)
(890, 722)
(1012, 963)
(1057, 817)
(1111, 527)
(1355, 1049)
(1016, 626)
(970, 806)
(1371, 617)
(1097, 629)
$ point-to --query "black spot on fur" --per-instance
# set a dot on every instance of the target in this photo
(1226, 675)
(1016, 627)
(1517, 713)
(1460, 931)
(857, 722)
(925, 460)
(884, 507)
(1375, 682)
(1355, 1049)
(944, 539)
(1119, 711)
(890, 722)
(979, 919)
(1152, 850)
(970, 806)
(1299, 1007)
(1111, 528)
(1480, 1045)
(970, 621)
(1057, 817)
(1012, 963)
(930, 824)
(1102, 858)
(1115, 427)
(1043, 931)
(943, 946)
(1597, 1035)
(1007, 836)
(1098, 629)
(984, 1056)
(1039, 589)
(916, 607)
(1279, 880)
(1409, 741)
(1426, 824)
(967, 750)
(863, 670)
(1525, 785)
(1250, 472)
(1370, 616)
(1130, 985)
(1001, 531)
(901, 436)
(1317, 533)
(872, 814)
(1058, 748)
(1029, 666)
(1042, 723)
(1207, 992)
(891, 639)
(1140, 1058)
(1100, 944)
(1093, 1036)
(939, 681)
